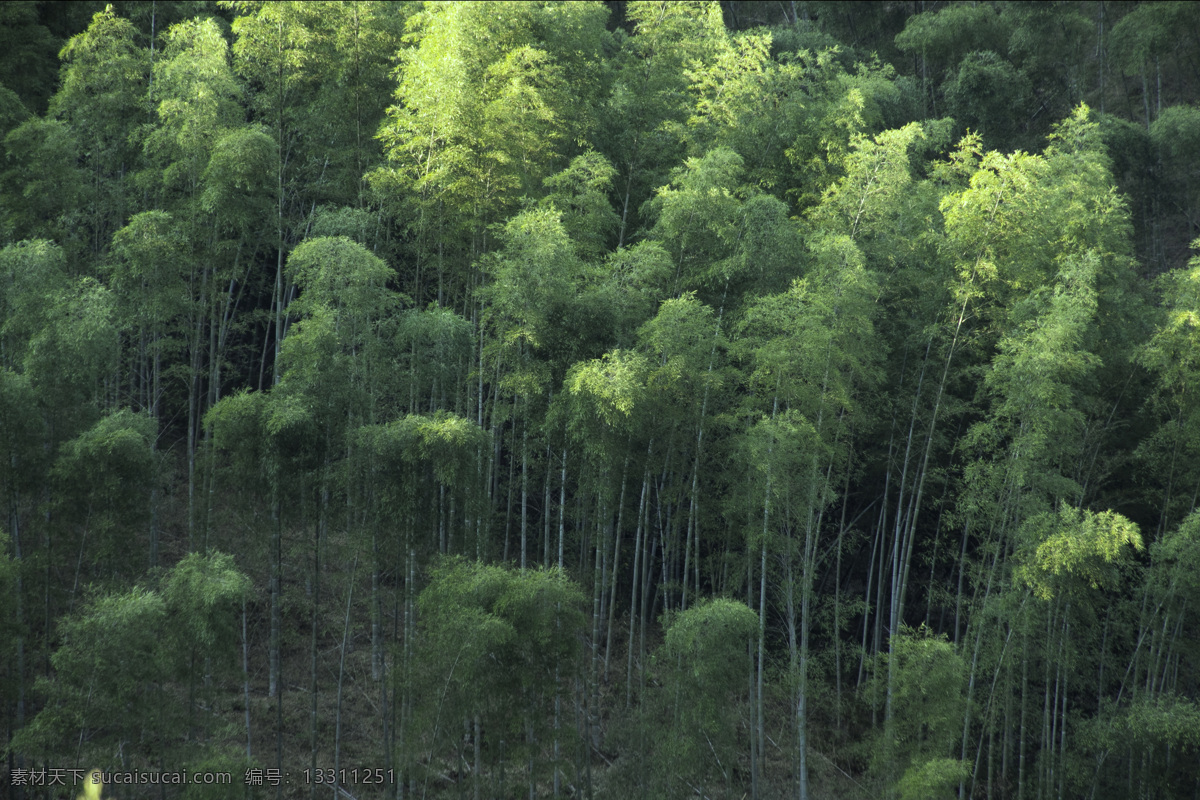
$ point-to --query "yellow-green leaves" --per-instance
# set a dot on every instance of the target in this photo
(1174, 350)
(815, 343)
(730, 89)
(337, 273)
(1023, 215)
(612, 385)
(443, 443)
(878, 173)
(270, 49)
(481, 112)
(580, 193)
(1073, 549)
(523, 113)
(935, 779)
(685, 340)
(449, 444)
(1040, 371)
(197, 102)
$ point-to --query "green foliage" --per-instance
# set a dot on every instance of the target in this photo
(12, 110)
(1174, 133)
(1036, 380)
(1176, 558)
(491, 642)
(878, 170)
(33, 275)
(928, 702)
(21, 432)
(103, 693)
(353, 45)
(203, 595)
(660, 290)
(724, 238)
(845, 103)
(41, 183)
(533, 294)
(9, 580)
(102, 481)
(481, 118)
(237, 178)
(987, 94)
(1170, 720)
(435, 344)
(270, 50)
(779, 454)
(637, 278)
(695, 216)
(1147, 33)
(231, 763)
(1148, 724)
(1075, 549)
(341, 275)
(947, 35)
(703, 663)
(150, 263)
(197, 97)
(728, 90)
(641, 119)
(613, 384)
(1171, 355)
(935, 779)
(815, 342)
(28, 49)
(1177, 176)
(58, 332)
(330, 358)
(443, 446)
(449, 443)
(685, 339)
(115, 656)
(237, 426)
(102, 97)
(580, 192)
(351, 223)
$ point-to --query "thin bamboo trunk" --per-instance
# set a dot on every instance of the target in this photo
(637, 557)
(337, 725)
(525, 488)
(246, 681)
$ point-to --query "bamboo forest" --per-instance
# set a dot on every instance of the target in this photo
(633, 400)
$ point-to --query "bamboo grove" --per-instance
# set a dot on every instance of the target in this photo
(647, 399)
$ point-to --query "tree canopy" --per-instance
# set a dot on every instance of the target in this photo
(582, 399)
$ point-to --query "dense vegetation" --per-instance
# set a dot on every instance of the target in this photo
(577, 400)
